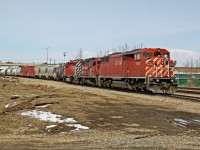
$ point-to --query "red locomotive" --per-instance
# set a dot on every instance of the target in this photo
(147, 69)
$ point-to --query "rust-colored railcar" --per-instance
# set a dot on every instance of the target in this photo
(28, 71)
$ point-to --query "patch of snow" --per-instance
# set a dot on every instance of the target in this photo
(7, 105)
(181, 122)
(50, 126)
(78, 126)
(47, 116)
(196, 120)
(43, 106)
(71, 120)
(116, 117)
(10, 105)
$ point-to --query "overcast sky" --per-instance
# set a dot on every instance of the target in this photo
(27, 27)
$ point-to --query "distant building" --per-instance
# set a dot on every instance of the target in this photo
(9, 62)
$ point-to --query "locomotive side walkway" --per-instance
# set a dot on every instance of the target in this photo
(92, 118)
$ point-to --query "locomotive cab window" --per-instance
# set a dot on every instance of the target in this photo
(137, 56)
(157, 54)
(147, 55)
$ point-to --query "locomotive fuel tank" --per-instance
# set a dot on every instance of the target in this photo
(119, 84)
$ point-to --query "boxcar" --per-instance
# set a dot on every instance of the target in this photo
(28, 71)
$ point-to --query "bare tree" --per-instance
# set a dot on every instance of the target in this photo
(189, 65)
(125, 47)
(141, 45)
(114, 50)
(80, 54)
(100, 54)
(122, 48)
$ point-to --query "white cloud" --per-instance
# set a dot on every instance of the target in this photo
(183, 56)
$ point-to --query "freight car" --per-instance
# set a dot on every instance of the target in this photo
(8, 71)
(148, 69)
(37, 72)
(13, 72)
(44, 72)
(59, 72)
(3, 72)
(28, 71)
(18, 71)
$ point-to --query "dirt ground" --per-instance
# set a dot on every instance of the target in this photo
(110, 119)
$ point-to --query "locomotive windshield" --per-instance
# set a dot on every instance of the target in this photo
(157, 54)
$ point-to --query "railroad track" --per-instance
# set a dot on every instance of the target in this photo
(186, 97)
(192, 94)
(189, 90)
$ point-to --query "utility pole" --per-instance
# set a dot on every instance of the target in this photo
(47, 54)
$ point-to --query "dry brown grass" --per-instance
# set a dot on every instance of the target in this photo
(116, 119)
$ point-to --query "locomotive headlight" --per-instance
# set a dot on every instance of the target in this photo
(172, 80)
(157, 80)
